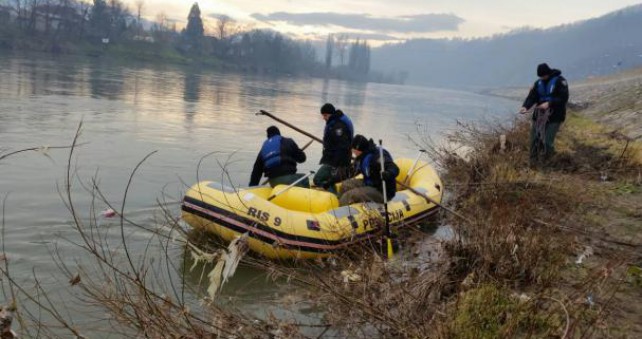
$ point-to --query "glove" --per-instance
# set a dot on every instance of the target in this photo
(387, 176)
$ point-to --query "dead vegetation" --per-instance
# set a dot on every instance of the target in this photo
(531, 225)
(548, 252)
(533, 262)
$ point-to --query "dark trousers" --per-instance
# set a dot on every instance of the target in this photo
(328, 175)
(543, 144)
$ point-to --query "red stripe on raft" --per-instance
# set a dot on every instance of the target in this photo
(271, 235)
(281, 241)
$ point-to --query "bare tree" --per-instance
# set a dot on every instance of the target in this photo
(34, 4)
(161, 27)
(139, 9)
(161, 21)
(19, 6)
(83, 10)
(223, 26)
(341, 47)
(329, 51)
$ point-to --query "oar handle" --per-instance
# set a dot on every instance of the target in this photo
(383, 181)
(290, 186)
(308, 144)
(431, 200)
(263, 112)
(412, 168)
(387, 236)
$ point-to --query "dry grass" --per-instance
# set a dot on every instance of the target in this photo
(143, 292)
(509, 271)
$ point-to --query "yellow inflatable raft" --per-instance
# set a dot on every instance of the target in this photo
(306, 223)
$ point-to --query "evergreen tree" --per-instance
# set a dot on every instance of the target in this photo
(99, 20)
(194, 29)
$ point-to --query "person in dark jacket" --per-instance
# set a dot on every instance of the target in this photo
(337, 138)
(549, 95)
(368, 163)
(277, 159)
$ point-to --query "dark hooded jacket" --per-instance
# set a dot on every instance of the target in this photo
(556, 93)
(290, 154)
(337, 139)
(369, 164)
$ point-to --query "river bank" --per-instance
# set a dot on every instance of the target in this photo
(615, 100)
(552, 251)
(579, 221)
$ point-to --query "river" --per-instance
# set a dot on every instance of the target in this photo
(128, 111)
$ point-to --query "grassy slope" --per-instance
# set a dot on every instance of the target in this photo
(515, 272)
(615, 100)
(597, 178)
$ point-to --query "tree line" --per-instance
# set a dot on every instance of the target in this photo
(103, 26)
(357, 54)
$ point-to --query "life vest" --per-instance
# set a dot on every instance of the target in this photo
(344, 118)
(271, 152)
(364, 166)
(545, 91)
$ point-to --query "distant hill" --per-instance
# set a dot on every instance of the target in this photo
(587, 48)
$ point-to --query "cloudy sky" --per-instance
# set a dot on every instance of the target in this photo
(389, 19)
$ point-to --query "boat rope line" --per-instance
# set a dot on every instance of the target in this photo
(269, 235)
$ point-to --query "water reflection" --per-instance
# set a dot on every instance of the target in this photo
(105, 81)
(146, 109)
(255, 291)
(68, 79)
(324, 90)
(191, 87)
(221, 93)
(355, 94)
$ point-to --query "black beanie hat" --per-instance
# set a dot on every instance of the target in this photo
(328, 109)
(272, 131)
(360, 143)
(543, 69)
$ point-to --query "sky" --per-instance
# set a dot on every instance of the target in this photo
(388, 20)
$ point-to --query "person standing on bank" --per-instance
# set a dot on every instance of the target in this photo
(337, 139)
(277, 159)
(368, 163)
(549, 95)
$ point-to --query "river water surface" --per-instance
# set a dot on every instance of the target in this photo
(128, 112)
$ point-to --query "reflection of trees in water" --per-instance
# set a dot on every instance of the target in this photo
(355, 94)
(192, 87)
(106, 81)
(220, 96)
(324, 91)
(257, 89)
(191, 96)
(189, 111)
(69, 76)
(343, 93)
(39, 76)
(225, 88)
